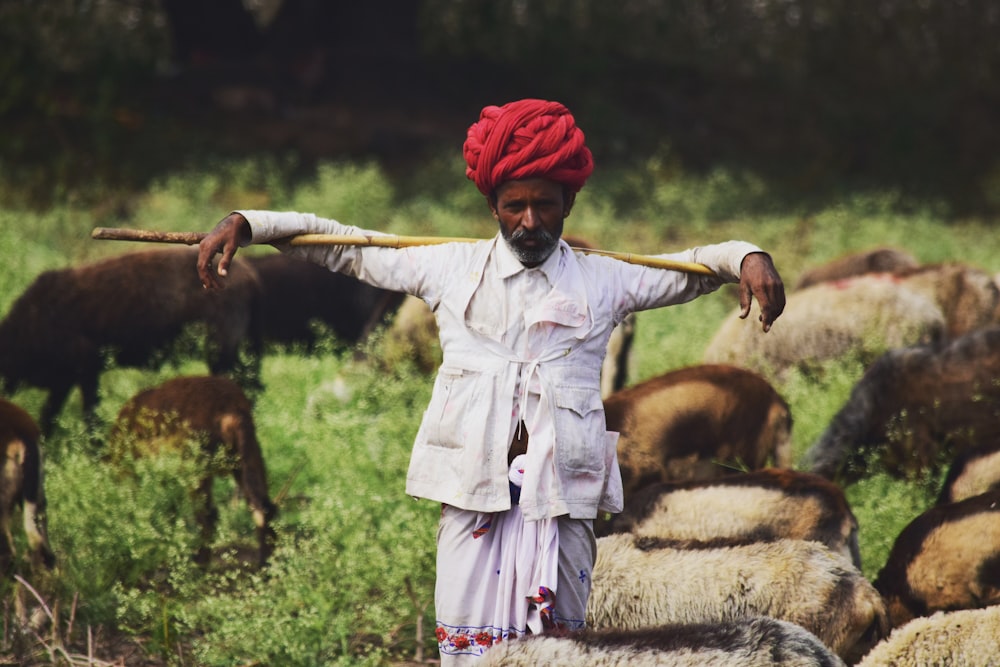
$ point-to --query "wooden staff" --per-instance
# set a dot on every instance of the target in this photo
(382, 241)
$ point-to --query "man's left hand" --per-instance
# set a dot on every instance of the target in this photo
(759, 278)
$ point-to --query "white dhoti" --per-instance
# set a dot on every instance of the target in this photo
(499, 577)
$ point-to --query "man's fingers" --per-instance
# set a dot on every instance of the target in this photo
(746, 298)
(207, 250)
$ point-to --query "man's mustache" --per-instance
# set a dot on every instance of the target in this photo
(539, 235)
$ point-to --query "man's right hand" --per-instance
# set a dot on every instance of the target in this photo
(232, 232)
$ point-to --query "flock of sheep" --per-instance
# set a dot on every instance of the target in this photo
(724, 555)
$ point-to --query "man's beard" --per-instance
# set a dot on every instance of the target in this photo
(535, 255)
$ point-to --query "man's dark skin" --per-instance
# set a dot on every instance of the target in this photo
(530, 214)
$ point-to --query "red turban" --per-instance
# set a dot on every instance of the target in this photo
(526, 139)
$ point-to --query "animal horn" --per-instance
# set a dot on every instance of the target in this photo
(384, 241)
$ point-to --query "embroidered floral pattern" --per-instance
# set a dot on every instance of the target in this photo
(471, 640)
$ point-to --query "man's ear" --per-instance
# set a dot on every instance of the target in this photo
(569, 198)
(491, 201)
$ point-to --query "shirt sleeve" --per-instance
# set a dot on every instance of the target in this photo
(645, 287)
(420, 270)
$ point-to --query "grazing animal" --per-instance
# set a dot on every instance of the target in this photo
(215, 411)
(862, 317)
(875, 260)
(974, 471)
(751, 642)
(21, 485)
(699, 422)
(296, 295)
(61, 332)
(965, 638)
(412, 335)
(947, 558)
(968, 296)
(761, 505)
(913, 409)
(643, 582)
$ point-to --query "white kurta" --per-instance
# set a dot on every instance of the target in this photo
(519, 344)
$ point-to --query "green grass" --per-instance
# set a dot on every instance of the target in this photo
(351, 581)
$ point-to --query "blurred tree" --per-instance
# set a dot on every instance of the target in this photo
(818, 94)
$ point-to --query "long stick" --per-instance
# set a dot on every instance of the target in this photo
(383, 241)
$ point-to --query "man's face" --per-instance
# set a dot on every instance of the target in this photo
(531, 213)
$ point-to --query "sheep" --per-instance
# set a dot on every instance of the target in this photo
(698, 422)
(412, 335)
(968, 296)
(745, 642)
(215, 411)
(21, 485)
(945, 559)
(914, 407)
(875, 260)
(641, 582)
(296, 294)
(861, 317)
(974, 471)
(968, 637)
(129, 310)
(764, 505)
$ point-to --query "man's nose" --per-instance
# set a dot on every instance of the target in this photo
(531, 220)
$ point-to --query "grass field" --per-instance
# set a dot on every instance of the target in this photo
(351, 582)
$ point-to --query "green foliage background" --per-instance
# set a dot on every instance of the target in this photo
(351, 582)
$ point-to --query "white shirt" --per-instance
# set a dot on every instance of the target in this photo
(516, 343)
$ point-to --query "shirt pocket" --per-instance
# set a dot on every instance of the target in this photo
(579, 423)
(455, 417)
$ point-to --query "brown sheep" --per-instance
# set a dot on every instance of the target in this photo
(215, 411)
(296, 294)
(947, 558)
(63, 329)
(699, 422)
(862, 316)
(974, 471)
(21, 485)
(763, 505)
(968, 297)
(875, 260)
(913, 409)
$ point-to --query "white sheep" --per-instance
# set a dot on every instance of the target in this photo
(748, 642)
(968, 637)
(643, 582)
(863, 316)
(759, 505)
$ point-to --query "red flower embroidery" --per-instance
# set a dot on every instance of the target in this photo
(484, 639)
(461, 641)
(441, 634)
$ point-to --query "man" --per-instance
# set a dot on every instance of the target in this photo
(513, 443)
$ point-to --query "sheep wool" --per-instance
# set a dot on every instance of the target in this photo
(643, 582)
(750, 642)
(964, 638)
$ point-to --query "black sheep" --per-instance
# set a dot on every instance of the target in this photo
(128, 310)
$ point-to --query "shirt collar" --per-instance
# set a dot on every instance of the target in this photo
(508, 264)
